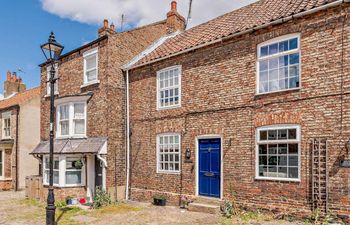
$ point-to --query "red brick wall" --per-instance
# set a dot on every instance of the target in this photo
(218, 97)
(106, 108)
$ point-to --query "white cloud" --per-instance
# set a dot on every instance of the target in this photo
(137, 12)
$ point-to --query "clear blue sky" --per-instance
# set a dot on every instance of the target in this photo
(24, 26)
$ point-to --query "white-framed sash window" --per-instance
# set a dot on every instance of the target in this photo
(169, 88)
(279, 64)
(278, 152)
(71, 120)
(6, 125)
(48, 84)
(91, 66)
(69, 171)
(168, 153)
(46, 171)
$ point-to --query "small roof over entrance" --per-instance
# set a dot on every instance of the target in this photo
(73, 146)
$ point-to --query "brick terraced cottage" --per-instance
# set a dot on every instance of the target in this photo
(19, 132)
(252, 106)
(89, 148)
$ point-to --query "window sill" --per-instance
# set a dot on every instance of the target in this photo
(67, 186)
(5, 179)
(278, 179)
(277, 92)
(168, 173)
(168, 107)
(90, 84)
(71, 137)
(47, 95)
(6, 138)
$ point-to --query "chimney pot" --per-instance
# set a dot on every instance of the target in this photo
(112, 27)
(8, 75)
(173, 5)
(14, 76)
(105, 23)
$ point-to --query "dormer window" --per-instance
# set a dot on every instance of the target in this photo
(71, 120)
(91, 66)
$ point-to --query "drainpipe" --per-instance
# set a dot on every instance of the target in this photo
(127, 137)
(17, 136)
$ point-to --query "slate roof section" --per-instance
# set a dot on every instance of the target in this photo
(20, 98)
(245, 18)
(72, 146)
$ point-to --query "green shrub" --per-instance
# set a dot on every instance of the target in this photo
(228, 209)
(101, 198)
(61, 204)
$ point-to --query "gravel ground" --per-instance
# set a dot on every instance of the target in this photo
(14, 209)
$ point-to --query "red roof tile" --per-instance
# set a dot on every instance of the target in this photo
(256, 14)
(20, 98)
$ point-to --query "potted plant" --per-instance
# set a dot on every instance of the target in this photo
(184, 201)
(78, 164)
(159, 200)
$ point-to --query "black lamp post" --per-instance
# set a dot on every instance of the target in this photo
(52, 51)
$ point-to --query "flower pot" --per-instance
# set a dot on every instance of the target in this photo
(159, 201)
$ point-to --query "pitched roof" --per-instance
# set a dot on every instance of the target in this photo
(20, 98)
(248, 17)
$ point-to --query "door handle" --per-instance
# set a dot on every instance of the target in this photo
(209, 174)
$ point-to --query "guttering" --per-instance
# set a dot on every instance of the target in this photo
(127, 137)
(275, 22)
(17, 136)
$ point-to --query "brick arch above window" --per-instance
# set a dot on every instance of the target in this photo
(268, 119)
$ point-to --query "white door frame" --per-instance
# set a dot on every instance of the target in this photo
(211, 136)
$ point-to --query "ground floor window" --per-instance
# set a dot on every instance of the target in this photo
(278, 152)
(169, 152)
(68, 171)
(2, 156)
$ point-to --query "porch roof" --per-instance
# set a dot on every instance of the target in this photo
(96, 145)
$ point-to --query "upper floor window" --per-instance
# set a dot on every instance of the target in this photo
(279, 64)
(6, 125)
(90, 66)
(169, 153)
(278, 152)
(169, 88)
(48, 84)
(71, 119)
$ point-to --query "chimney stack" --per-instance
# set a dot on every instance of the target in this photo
(105, 29)
(13, 84)
(175, 22)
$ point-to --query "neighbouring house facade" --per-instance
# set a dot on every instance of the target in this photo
(252, 106)
(20, 133)
(89, 146)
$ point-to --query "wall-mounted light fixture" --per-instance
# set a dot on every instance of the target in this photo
(188, 156)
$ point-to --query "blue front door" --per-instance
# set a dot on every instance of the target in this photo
(209, 167)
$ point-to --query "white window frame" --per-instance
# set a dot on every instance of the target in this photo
(159, 107)
(158, 154)
(62, 171)
(48, 169)
(2, 152)
(272, 41)
(48, 75)
(297, 140)
(5, 116)
(71, 133)
(86, 55)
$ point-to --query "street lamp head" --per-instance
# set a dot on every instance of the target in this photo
(52, 49)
